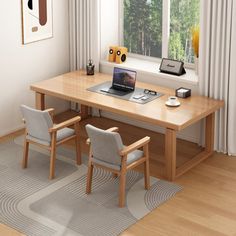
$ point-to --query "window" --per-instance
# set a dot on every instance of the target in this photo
(160, 28)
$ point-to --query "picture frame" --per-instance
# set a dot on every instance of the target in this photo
(173, 67)
(37, 20)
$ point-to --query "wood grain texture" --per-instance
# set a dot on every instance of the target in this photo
(146, 170)
(25, 152)
(206, 205)
(131, 134)
(73, 87)
(7, 231)
(170, 153)
(53, 155)
(39, 101)
(64, 124)
(142, 143)
(77, 144)
(54, 143)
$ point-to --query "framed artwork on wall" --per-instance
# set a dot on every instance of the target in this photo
(36, 20)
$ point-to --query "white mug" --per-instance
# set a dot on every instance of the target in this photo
(172, 100)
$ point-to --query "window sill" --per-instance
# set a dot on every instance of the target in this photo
(152, 68)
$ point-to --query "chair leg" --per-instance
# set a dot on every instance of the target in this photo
(89, 178)
(146, 175)
(77, 144)
(122, 189)
(53, 156)
(25, 154)
(78, 150)
(146, 168)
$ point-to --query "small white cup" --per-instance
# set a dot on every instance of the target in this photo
(172, 100)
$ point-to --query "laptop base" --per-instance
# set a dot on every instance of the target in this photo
(115, 91)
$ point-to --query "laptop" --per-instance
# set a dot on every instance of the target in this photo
(123, 82)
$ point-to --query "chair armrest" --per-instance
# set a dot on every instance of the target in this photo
(113, 129)
(134, 146)
(64, 124)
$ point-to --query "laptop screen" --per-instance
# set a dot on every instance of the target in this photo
(124, 79)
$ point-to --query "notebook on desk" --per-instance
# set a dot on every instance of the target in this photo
(123, 82)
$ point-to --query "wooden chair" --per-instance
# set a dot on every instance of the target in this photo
(41, 131)
(108, 152)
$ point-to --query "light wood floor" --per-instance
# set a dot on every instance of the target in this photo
(206, 205)
(7, 231)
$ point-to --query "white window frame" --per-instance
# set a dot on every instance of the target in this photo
(165, 33)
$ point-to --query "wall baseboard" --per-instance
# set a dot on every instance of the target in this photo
(12, 131)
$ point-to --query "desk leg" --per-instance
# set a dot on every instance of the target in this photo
(170, 153)
(210, 133)
(39, 101)
(208, 150)
(84, 111)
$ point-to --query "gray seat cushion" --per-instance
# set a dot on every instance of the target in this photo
(61, 134)
(132, 157)
(64, 133)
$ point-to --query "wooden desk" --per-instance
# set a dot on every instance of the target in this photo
(73, 87)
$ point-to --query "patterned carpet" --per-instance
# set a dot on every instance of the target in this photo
(35, 206)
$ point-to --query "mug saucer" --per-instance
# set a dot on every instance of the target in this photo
(176, 104)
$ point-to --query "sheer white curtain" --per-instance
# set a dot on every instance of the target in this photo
(217, 66)
(84, 33)
(85, 37)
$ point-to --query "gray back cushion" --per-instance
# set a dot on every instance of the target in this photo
(37, 123)
(105, 145)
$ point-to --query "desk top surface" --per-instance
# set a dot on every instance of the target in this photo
(73, 87)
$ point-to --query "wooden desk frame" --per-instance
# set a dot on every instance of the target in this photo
(170, 150)
(170, 135)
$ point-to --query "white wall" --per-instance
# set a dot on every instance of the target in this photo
(22, 65)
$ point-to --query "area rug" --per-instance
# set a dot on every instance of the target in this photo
(36, 206)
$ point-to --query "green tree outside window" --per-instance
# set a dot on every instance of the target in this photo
(143, 27)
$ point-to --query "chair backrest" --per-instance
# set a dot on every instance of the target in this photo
(37, 123)
(105, 145)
